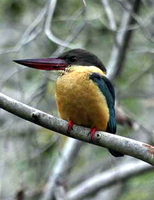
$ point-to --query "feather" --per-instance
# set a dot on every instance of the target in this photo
(107, 90)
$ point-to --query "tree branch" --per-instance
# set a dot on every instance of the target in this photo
(48, 26)
(124, 145)
(107, 178)
(122, 40)
(67, 156)
(31, 32)
(110, 15)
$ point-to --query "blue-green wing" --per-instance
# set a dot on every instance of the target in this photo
(107, 90)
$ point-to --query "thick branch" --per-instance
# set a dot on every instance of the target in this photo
(124, 145)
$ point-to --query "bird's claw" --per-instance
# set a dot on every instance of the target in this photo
(92, 133)
(70, 127)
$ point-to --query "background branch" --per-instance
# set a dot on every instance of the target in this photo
(48, 23)
(65, 161)
(122, 40)
(106, 179)
(110, 15)
(31, 32)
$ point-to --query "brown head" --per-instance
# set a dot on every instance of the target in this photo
(75, 57)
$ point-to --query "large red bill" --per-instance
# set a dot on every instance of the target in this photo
(44, 63)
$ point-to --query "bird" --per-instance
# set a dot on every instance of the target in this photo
(84, 94)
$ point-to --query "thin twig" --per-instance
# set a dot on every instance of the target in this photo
(135, 78)
(70, 39)
(122, 40)
(139, 124)
(76, 32)
(138, 20)
(143, 50)
(110, 15)
(48, 27)
(31, 32)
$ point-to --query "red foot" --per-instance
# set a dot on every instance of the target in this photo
(70, 126)
(92, 132)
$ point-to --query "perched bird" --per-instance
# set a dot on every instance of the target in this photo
(84, 94)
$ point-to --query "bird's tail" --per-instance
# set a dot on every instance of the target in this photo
(115, 153)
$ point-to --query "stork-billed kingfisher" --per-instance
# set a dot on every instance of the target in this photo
(84, 94)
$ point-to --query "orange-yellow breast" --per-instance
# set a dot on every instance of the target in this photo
(80, 100)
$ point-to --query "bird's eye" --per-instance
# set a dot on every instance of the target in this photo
(73, 59)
